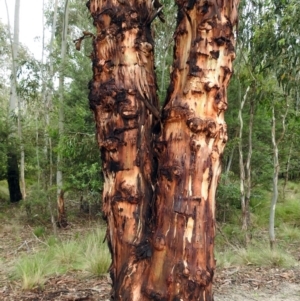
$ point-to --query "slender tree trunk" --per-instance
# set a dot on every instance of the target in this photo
(22, 157)
(248, 166)
(229, 162)
(62, 217)
(241, 161)
(190, 148)
(275, 182)
(12, 158)
(165, 253)
(48, 101)
(276, 169)
(37, 138)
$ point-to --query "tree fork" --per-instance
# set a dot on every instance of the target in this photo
(181, 229)
(123, 98)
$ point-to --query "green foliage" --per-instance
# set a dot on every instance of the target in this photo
(4, 195)
(39, 231)
(288, 212)
(227, 197)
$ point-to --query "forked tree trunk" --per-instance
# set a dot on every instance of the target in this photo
(167, 253)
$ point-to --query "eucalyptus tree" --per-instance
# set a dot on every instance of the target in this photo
(13, 173)
(62, 219)
(160, 207)
(47, 93)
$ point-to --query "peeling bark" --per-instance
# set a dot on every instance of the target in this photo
(164, 253)
(191, 146)
(123, 98)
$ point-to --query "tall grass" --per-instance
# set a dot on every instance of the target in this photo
(255, 255)
(87, 253)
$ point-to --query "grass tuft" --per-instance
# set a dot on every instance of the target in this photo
(33, 270)
(226, 258)
(39, 231)
(87, 254)
(265, 257)
(97, 256)
(255, 255)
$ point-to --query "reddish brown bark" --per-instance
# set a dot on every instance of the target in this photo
(61, 211)
(123, 98)
(180, 263)
(191, 146)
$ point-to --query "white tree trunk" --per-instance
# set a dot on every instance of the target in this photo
(276, 168)
(275, 181)
(241, 162)
(14, 101)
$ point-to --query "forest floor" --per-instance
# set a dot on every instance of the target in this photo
(235, 283)
(244, 284)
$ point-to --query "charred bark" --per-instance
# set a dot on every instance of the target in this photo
(165, 253)
(123, 98)
(191, 146)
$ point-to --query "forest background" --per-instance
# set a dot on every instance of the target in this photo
(47, 137)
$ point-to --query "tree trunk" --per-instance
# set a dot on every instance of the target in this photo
(61, 219)
(275, 182)
(191, 146)
(241, 160)
(22, 151)
(62, 216)
(248, 166)
(276, 169)
(165, 253)
(123, 98)
(48, 102)
(13, 175)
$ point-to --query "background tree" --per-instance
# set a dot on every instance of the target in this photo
(14, 111)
